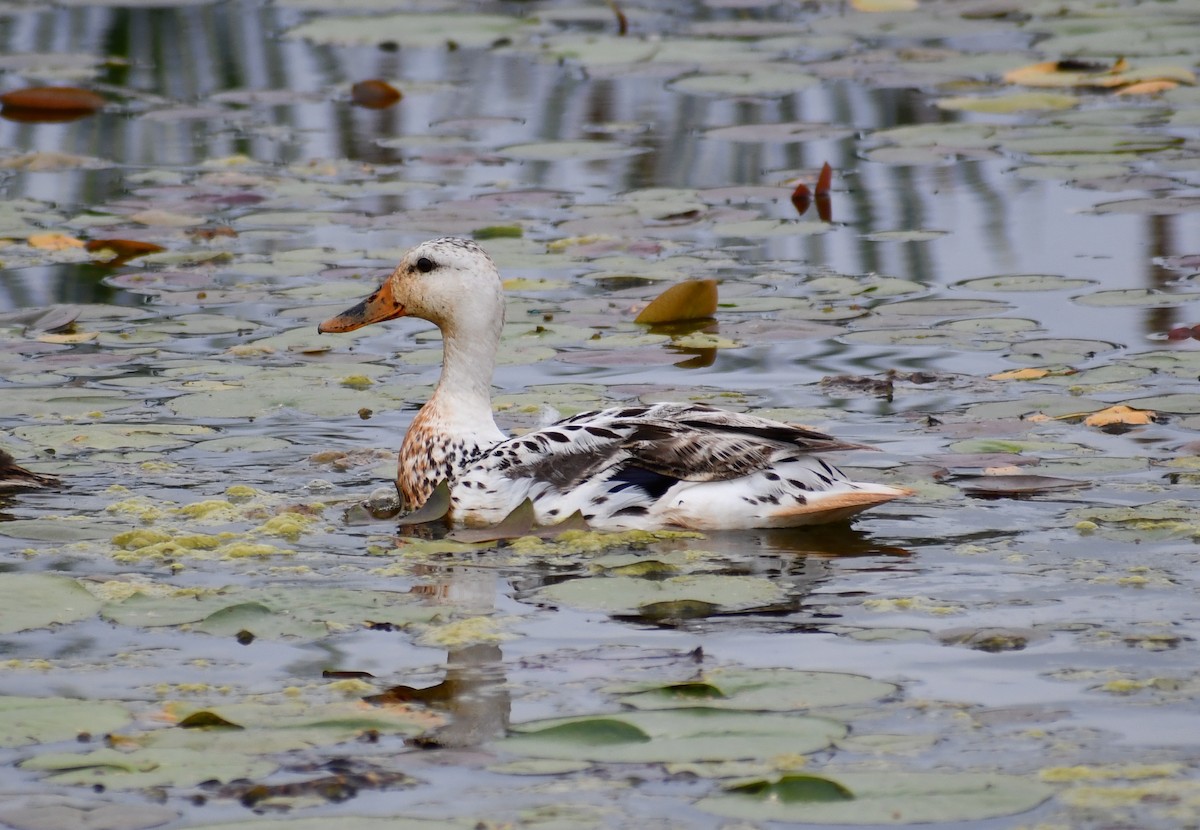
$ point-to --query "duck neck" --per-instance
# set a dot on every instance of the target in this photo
(463, 397)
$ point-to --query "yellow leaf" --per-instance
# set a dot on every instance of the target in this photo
(1119, 414)
(1037, 418)
(1020, 374)
(80, 337)
(691, 300)
(53, 241)
(884, 5)
(1146, 88)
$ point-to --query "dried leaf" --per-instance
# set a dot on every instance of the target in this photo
(1020, 374)
(48, 104)
(801, 198)
(884, 5)
(1120, 414)
(1147, 88)
(374, 94)
(53, 241)
(120, 251)
(824, 180)
(691, 300)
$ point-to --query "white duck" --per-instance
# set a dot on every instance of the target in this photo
(630, 467)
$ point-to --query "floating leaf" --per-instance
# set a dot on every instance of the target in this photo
(878, 6)
(43, 720)
(795, 789)
(37, 600)
(673, 735)
(1015, 102)
(776, 690)
(1120, 414)
(49, 104)
(435, 508)
(120, 251)
(801, 198)
(691, 300)
(894, 798)
(1016, 485)
(53, 241)
(374, 94)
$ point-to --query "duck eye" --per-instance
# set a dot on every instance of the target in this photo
(424, 265)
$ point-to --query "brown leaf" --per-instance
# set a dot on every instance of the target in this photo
(374, 94)
(122, 250)
(825, 180)
(49, 104)
(801, 198)
(690, 300)
(1120, 414)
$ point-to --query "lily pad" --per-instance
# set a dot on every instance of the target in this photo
(776, 690)
(148, 767)
(37, 600)
(43, 720)
(571, 151)
(673, 735)
(891, 798)
(626, 593)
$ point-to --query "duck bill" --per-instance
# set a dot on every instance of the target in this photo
(380, 306)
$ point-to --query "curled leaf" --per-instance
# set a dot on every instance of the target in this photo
(690, 300)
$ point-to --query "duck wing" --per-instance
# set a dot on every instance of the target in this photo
(683, 442)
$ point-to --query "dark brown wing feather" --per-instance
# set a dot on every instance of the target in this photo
(14, 477)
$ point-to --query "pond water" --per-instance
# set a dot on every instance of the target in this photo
(202, 628)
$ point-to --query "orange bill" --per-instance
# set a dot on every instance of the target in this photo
(380, 306)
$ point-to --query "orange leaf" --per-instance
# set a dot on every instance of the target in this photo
(801, 198)
(1146, 88)
(123, 249)
(1020, 374)
(53, 241)
(824, 180)
(374, 94)
(691, 300)
(1119, 414)
(52, 98)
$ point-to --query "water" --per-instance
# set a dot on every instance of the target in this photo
(1100, 659)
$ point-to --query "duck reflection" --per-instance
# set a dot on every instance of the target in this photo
(474, 692)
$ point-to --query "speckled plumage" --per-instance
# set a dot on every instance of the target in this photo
(669, 464)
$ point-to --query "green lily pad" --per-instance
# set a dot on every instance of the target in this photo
(148, 767)
(410, 30)
(1013, 102)
(672, 735)
(74, 437)
(892, 798)
(37, 600)
(43, 720)
(55, 529)
(1022, 282)
(627, 593)
(344, 823)
(767, 81)
(571, 151)
(776, 690)
(1135, 298)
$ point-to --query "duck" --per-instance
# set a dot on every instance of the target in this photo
(652, 467)
(16, 477)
